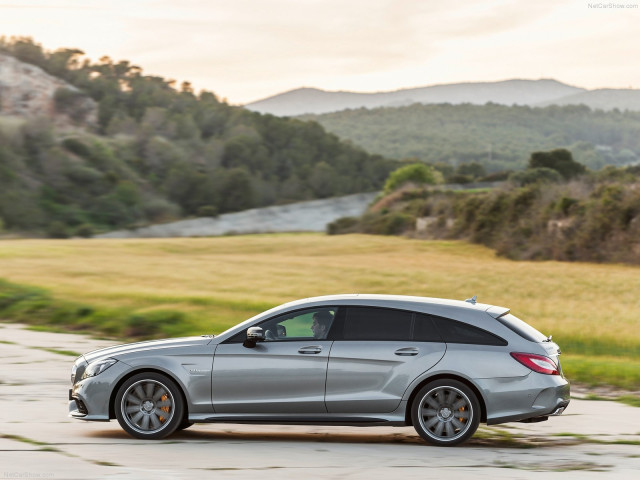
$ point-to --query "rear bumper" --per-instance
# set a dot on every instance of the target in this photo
(532, 397)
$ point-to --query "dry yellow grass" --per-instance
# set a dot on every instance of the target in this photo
(221, 281)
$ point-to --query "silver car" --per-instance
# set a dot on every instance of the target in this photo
(442, 366)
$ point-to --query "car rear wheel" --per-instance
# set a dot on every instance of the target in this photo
(445, 412)
(149, 405)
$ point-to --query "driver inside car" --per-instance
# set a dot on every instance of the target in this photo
(321, 323)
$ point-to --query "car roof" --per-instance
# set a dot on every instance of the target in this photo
(433, 306)
(425, 304)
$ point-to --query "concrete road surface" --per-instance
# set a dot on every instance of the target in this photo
(37, 439)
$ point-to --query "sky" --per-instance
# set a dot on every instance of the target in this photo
(246, 50)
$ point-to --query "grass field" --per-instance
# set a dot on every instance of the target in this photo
(158, 287)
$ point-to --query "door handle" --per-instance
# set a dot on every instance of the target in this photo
(407, 351)
(310, 350)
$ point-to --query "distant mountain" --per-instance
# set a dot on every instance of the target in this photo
(603, 99)
(509, 92)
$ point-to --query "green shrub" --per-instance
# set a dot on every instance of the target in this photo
(76, 146)
(85, 230)
(207, 211)
(418, 173)
(536, 175)
(57, 229)
(343, 225)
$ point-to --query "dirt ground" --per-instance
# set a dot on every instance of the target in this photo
(38, 439)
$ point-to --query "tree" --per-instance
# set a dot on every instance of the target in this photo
(560, 160)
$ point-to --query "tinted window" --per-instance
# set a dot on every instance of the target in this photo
(364, 323)
(424, 329)
(452, 331)
(521, 328)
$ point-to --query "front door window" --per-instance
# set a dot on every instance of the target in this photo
(307, 324)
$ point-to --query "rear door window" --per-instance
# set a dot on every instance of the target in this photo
(424, 329)
(370, 323)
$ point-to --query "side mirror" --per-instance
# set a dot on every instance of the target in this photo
(254, 335)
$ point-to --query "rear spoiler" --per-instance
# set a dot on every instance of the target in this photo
(497, 312)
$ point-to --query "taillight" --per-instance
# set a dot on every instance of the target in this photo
(537, 363)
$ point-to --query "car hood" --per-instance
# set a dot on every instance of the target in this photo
(148, 346)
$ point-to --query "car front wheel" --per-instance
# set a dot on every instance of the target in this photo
(445, 412)
(149, 405)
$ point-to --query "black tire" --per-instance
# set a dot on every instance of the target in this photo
(184, 425)
(445, 412)
(149, 405)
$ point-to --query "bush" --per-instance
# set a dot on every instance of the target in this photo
(85, 230)
(74, 145)
(418, 173)
(343, 225)
(536, 175)
(160, 210)
(387, 223)
(207, 211)
(57, 229)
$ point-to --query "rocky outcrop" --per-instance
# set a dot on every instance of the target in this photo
(28, 91)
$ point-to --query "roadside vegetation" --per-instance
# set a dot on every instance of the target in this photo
(135, 289)
(555, 209)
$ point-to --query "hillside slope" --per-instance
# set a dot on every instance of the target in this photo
(155, 153)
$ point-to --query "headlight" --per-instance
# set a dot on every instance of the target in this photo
(73, 373)
(96, 368)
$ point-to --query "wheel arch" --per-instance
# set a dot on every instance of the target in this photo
(114, 391)
(446, 376)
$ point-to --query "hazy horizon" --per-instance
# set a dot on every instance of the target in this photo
(253, 49)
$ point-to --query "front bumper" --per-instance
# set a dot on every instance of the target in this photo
(89, 398)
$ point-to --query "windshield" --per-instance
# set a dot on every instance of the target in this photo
(523, 329)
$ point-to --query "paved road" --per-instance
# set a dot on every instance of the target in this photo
(38, 440)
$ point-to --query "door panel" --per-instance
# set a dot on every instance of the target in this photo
(273, 377)
(372, 376)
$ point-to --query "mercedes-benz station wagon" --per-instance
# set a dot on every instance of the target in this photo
(442, 366)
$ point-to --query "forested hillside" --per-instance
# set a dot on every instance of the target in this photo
(157, 152)
(497, 136)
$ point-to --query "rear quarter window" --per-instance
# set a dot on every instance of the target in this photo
(522, 328)
(453, 331)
